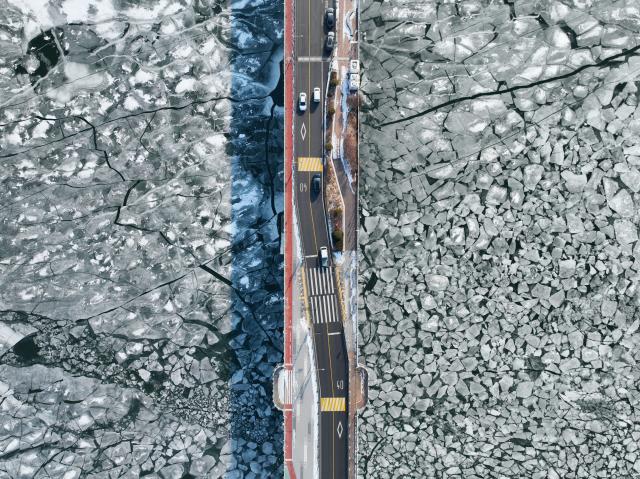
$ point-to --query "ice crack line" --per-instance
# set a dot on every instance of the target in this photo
(454, 101)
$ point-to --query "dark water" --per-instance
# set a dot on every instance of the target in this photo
(45, 48)
(26, 349)
(277, 95)
(255, 150)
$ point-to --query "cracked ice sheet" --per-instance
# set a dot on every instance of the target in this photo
(500, 240)
(116, 187)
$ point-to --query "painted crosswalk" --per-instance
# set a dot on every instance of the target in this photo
(310, 59)
(288, 389)
(320, 281)
(306, 163)
(333, 404)
(324, 309)
(322, 295)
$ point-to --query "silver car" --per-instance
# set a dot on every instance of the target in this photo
(330, 41)
(324, 256)
(302, 101)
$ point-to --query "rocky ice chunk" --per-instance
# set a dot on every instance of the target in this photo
(526, 202)
(626, 231)
(573, 182)
(437, 282)
(622, 203)
(532, 175)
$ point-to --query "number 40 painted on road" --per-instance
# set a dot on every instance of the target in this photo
(340, 384)
(303, 187)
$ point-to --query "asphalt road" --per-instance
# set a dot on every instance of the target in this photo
(311, 67)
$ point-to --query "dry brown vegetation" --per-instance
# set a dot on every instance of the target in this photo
(351, 144)
(333, 200)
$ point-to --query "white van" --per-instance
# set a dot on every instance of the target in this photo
(324, 256)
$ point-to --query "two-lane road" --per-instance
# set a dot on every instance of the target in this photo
(320, 288)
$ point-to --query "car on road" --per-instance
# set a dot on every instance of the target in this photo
(324, 256)
(316, 183)
(329, 18)
(354, 82)
(330, 41)
(316, 94)
(302, 101)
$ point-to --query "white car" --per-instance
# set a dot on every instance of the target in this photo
(302, 102)
(316, 94)
(324, 256)
(354, 82)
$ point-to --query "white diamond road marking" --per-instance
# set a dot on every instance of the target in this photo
(303, 131)
(339, 429)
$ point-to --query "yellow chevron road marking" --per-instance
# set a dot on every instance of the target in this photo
(310, 163)
(333, 404)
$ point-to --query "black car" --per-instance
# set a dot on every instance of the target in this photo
(329, 18)
(316, 183)
(330, 41)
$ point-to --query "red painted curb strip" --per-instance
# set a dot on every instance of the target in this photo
(288, 220)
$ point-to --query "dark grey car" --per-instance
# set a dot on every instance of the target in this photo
(329, 18)
(316, 183)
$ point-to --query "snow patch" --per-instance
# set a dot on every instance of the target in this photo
(131, 104)
(14, 138)
(142, 76)
(40, 129)
(186, 84)
(243, 37)
(40, 257)
(76, 10)
(39, 16)
(217, 141)
(248, 194)
(183, 51)
(81, 10)
(80, 77)
(161, 8)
